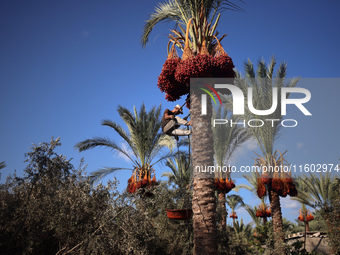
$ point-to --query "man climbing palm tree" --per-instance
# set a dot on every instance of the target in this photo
(171, 122)
(196, 35)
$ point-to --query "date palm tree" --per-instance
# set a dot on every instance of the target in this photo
(252, 213)
(200, 17)
(262, 81)
(143, 140)
(181, 11)
(252, 187)
(317, 191)
(234, 202)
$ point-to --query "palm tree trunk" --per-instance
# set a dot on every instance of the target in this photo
(204, 199)
(222, 201)
(277, 221)
(264, 221)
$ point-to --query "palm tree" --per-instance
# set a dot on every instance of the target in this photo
(252, 187)
(262, 81)
(226, 140)
(234, 202)
(180, 175)
(180, 171)
(252, 213)
(143, 139)
(181, 11)
(243, 232)
(252, 180)
(317, 191)
(200, 18)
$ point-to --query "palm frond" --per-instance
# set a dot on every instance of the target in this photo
(2, 165)
(227, 138)
(316, 191)
(101, 173)
(121, 132)
(180, 170)
(143, 139)
(252, 213)
(264, 88)
(101, 142)
(167, 11)
(181, 11)
(234, 201)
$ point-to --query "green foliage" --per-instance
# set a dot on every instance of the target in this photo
(261, 233)
(322, 193)
(230, 243)
(180, 11)
(242, 231)
(317, 191)
(332, 218)
(252, 213)
(53, 207)
(234, 201)
(180, 171)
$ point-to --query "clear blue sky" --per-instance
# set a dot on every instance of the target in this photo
(66, 65)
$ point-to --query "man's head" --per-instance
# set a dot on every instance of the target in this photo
(177, 110)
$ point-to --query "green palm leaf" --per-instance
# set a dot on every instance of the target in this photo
(180, 11)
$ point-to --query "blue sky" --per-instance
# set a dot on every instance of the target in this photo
(66, 65)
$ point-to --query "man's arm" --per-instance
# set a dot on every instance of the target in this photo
(168, 116)
(182, 121)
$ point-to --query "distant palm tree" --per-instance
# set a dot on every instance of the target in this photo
(234, 202)
(252, 213)
(227, 139)
(180, 175)
(262, 82)
(252, 187)
(243, 232)
(180, 171)
(143, 140)
(317, 191)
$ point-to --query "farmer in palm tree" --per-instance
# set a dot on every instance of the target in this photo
(171, 122)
